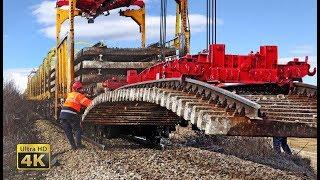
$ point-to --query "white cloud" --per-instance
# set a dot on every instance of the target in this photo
(19, 76)
(313, 63)
(113, 27)
(45, 12)
(302, 50)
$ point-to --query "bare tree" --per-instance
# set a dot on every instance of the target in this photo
(18, 126)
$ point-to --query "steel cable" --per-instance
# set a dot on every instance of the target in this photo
(209, 18)
(212, 20)
(163, 25)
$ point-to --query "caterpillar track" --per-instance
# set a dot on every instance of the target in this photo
(211, 109)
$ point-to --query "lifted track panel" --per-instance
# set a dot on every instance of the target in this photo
(212, 109)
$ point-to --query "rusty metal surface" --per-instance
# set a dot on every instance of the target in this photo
(131, 113)
(122, 54)
(269, 128)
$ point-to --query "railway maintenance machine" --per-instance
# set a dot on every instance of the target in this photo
(148, 91)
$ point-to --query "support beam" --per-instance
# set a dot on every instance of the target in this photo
(184, 24)
(61, 16)
(70, 67)
(178, 26)
(182, 42)
(139, 17)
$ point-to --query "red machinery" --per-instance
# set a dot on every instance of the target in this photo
(96, 7)
(217, 67)
(114, 83)
(213, 66)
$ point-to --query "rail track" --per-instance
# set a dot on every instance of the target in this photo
(213, 110)
(153, 110)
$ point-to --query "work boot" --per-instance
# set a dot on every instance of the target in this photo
(81, 146)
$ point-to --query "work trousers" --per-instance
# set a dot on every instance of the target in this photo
(72, 124)
(279, 142)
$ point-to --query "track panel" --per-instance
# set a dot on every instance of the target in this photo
(211, 109)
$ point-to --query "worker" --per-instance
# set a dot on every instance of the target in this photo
(70, 114)
(279, 142)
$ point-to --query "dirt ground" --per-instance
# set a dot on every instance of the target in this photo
(190, 156)
(306, 147)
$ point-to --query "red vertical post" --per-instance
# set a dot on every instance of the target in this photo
(132, 76)
(270, 56)
(217, 55)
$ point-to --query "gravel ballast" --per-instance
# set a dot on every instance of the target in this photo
(123, 159)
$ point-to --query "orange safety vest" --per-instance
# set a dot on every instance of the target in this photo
(75, 100)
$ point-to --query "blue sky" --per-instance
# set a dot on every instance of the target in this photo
(242, 25)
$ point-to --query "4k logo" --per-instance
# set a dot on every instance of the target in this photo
(33, 156)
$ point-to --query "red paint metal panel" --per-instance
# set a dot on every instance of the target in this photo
(270, 53)
(62, 3)
(114, 83)
(97, 7)
(217, 54)
(216, 66)
(132, 76)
